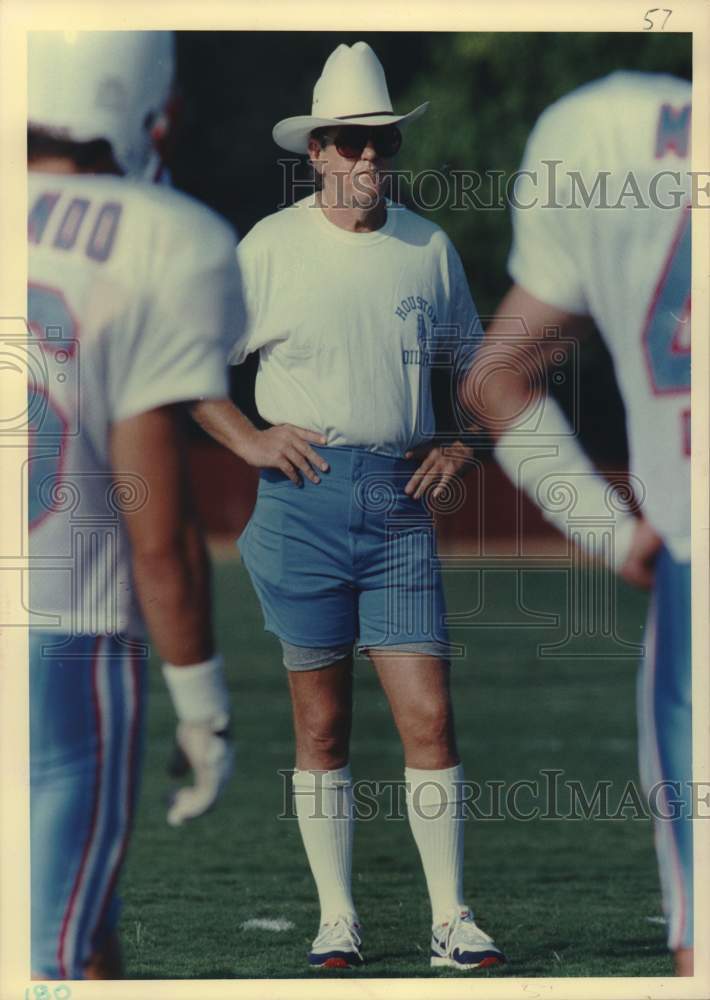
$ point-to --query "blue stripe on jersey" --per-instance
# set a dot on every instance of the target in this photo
(133, 689)
(63, 748)
(110, 820)
(78, 840)
(672, 711)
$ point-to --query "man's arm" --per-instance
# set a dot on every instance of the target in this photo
(171, 574)
(501, 389)
(170, 565)
(283, 447)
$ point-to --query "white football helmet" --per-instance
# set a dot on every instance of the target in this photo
(109, 85)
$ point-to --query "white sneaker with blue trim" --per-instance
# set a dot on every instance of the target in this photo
(459, 943)
(337, 945)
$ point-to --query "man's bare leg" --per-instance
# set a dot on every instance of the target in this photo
(322, 785)
(322, 715)
(417, 688)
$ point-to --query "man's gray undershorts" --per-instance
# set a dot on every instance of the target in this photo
(299, 658)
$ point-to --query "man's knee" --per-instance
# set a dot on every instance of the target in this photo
(326, 731)
(429, 723)
(322, 730)
(428, 736)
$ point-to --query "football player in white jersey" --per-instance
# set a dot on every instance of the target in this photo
(601, 227)
(129, 288)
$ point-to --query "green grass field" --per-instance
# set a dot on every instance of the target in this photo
(563, 897)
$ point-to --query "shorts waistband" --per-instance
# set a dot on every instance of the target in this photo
(344, 461)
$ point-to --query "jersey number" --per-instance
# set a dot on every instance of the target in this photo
(51, 323)
(666, 336)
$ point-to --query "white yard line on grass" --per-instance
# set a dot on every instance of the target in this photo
(277, 924)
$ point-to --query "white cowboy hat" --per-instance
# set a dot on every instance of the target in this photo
(351, 90)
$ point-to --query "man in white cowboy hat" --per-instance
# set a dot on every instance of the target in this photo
(351, 89)
(342, 293)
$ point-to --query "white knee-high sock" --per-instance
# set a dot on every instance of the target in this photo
(436, 819)
(324, 807)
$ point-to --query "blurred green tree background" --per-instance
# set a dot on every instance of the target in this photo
(486, 92)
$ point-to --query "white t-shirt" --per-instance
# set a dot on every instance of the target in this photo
(130, 290)
(345, 323)
(628, 266)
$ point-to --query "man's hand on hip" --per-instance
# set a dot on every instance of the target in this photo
(288, 449)
(439, 465)
(283, 447)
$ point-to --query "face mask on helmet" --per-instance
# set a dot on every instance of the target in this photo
(109, 85)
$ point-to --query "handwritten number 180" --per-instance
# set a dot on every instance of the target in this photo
(44, 993)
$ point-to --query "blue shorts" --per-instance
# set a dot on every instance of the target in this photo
(665, 741)
(351, 559)
(87, 698)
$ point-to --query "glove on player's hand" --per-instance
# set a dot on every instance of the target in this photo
(207, 751)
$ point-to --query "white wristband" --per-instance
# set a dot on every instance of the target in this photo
(565, 486)
(199, 692)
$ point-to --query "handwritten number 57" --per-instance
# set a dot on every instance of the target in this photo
(654, 15)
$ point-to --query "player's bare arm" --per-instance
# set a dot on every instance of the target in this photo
(503, 397)
(170, 565)
(171, 573)
(498, 390)
(283, 447)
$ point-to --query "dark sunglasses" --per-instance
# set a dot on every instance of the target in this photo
(350, 140)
